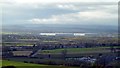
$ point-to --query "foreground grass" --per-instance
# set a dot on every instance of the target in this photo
(29, 65)
(14, 63)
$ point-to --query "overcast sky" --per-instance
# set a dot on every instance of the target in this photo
(100, 12)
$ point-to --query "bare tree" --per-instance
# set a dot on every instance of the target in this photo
(64, 53)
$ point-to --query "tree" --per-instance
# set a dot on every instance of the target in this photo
(64, 53)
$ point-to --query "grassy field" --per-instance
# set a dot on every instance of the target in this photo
(80, 50)
(29, 65)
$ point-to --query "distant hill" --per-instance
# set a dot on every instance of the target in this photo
(60, 28)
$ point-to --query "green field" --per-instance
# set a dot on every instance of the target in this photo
(29, 65)
(80, 50)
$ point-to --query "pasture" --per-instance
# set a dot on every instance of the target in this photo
(30, 65)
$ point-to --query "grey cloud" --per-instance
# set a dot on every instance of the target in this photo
(16, 13)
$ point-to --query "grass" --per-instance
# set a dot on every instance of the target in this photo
(78, 50)
(14, 63)
(71, 50)
(29, 65)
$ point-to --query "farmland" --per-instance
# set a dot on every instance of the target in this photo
(76, 51)
(79, 50)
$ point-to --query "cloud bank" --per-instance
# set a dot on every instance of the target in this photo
(102, 12)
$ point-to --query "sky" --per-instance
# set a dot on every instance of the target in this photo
(81, 12)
